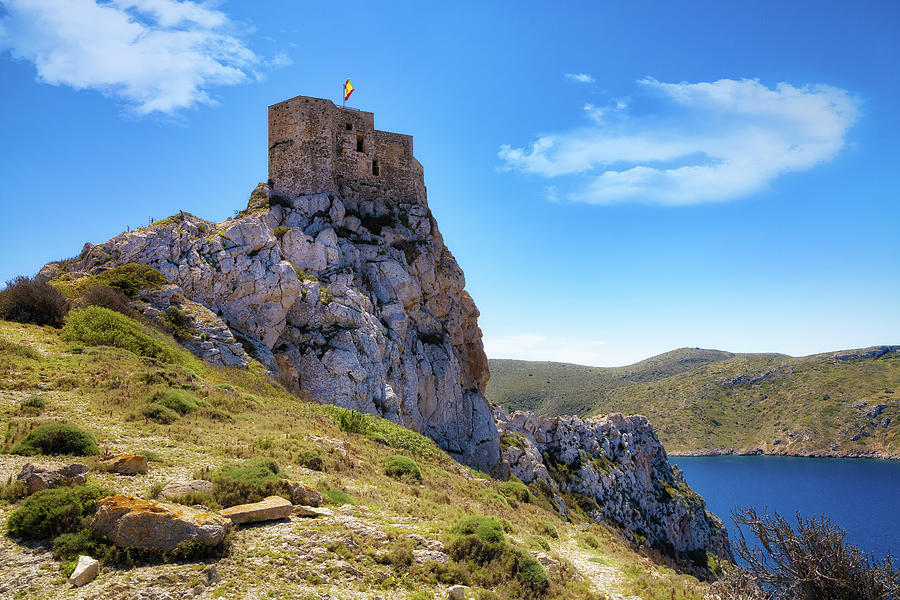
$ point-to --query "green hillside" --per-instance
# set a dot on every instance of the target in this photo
(711, 401)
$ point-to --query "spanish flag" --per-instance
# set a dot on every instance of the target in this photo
(348, 89)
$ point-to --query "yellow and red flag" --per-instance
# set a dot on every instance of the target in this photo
(348, 89)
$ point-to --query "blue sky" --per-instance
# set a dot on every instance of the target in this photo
(616, 179)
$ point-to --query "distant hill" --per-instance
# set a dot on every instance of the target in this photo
(708, 401)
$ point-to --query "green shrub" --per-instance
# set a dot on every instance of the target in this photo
(402, 467)
(150, 455)
(531, 573)
(484, 528)
(311, 460)
(280, 231)
(160, 413)
(547, 528)
(14, 349)
(107, 297)
(248, 481)
(12, 491)
(536, 541)
(516, 490)
(217, 414)
(339, 498)
(181, 401)
(128, 279)
(33, 404)
(57, 438)
(178, 323)
(25, 300)
(51, 512)
(351, 421)
(98, 326)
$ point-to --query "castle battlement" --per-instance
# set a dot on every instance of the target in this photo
(316, 146)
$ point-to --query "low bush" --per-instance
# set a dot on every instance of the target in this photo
(181, 401)
(311, 460)
(515, 490)
(107, 297)
(547, 528)
(178, 323)
(57, 438)
(485, 528)
(402, 467)
(128, 279)
(25, 300)
(14, 349)
(536, 541)
(160, 414)
(248, 481)
(351, 421)
(33, 404)
(339, 498)
(51, 512)
(12, 491)
(98, 326)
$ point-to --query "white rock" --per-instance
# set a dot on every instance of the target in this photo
(85, 571)
(457, 592)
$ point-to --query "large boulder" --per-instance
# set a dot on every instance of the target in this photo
(39, 478)
(268, 509)
(131, 522)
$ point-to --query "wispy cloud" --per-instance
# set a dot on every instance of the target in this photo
(530, 346)
(691, 142)
(158, 56)
(579, 77)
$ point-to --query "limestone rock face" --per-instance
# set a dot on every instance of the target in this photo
(39, 478)
(131, 522)
(267, 509)
(619, 464)
(351, 297)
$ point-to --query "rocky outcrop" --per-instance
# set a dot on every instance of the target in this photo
(39, 478)
(615, 470)
(134, 523)
(353, 298)
(176, 490)
(872, 352)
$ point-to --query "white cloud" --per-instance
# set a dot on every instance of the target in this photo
(156, 55)
(579, 77)
(531, 346)
(699, 142)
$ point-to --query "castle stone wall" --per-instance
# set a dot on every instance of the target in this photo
(315, 146)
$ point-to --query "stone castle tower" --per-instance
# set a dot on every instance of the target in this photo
(315, 146)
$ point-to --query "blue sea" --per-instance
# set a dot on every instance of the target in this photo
(861, 496)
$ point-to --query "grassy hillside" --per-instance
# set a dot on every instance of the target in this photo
(382, 523)
(708, 400)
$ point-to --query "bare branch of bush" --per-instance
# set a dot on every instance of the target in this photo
(26, 300)
(812, 563)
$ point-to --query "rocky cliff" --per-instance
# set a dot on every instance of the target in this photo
(354, 299)
(351, 298)
(614, 469)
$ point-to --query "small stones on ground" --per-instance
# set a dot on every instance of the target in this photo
(126, 464)
(268, 509)
(182, 488)
(39, 478)
(211, 574)
(85, 571)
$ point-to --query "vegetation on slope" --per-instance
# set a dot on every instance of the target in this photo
(387, 485)
(711, 401)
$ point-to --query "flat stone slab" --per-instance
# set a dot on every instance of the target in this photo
(268, 509)
(183, 488)
(132, 522)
